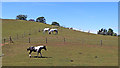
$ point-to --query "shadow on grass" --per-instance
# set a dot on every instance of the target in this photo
(40, 57)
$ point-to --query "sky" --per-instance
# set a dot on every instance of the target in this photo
(59, 0)
(81, 15)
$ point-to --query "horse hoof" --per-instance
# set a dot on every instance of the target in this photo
(30, 56)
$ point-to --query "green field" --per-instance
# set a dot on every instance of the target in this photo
(79, 48)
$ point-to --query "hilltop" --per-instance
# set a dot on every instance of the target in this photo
(80, 47)
(12, 27)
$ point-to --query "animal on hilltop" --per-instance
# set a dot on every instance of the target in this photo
(50, 31)
(46, 29)
(53, 30)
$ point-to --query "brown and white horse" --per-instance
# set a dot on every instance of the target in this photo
(36, 49)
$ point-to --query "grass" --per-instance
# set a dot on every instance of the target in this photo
(79, 49)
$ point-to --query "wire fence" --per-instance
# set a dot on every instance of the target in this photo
(62, 40)
(18, 36)
(25, 38)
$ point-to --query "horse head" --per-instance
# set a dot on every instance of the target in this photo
(31, 49)
(44, 48)
(49, 33)
(28, 49)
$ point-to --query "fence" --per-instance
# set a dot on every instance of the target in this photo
(25, 38)
(61, 40)
(18, 36)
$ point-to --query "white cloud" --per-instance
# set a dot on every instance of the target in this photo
(60, 0)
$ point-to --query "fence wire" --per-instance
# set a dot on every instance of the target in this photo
(25, 38)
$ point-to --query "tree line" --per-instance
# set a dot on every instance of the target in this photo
(43, 20)
(39, 19)
(107, 32)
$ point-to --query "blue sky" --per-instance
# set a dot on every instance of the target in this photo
(59, 0)
(81, 15)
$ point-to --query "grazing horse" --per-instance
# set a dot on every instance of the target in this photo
(46, 29)
(36, 49)
(53, 30)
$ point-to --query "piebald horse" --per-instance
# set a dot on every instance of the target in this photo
(36, 49)
(46, 29)
(53, 30)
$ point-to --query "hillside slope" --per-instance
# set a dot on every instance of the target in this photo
(80, 47)
(23, 28)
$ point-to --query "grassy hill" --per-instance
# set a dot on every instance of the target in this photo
(80, 47)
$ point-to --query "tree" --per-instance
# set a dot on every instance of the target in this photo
(115, 34)
(104, 32)
(98, 32)
(41, 19)
(110, 32)
(55, 23)
(101, 31)
(21, 17)
(31, 20)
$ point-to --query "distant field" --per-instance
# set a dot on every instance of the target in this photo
(79, 48)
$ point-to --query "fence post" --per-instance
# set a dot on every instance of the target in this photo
(4, 40)
(11, 40)
(101, 42)
(46, 40)
(29, 40)
(64, 40)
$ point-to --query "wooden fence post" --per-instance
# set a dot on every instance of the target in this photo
(11, 40)
(4, 40)
(101, 42)
(46, 40)
(29, 40)
(64, 40)
(24, 33)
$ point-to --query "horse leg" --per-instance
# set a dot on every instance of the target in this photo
(49, 32)
(56, 32)
(37, 54)
(52, 32)
(41, 54)
(30, 54)
(43, 32)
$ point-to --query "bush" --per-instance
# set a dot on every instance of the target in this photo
(21, 17)
(55, 23)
